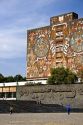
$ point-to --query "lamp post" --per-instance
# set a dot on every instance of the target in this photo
(16, 85)
(3, 91)
(17, 81)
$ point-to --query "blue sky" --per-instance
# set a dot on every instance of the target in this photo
(16, 16)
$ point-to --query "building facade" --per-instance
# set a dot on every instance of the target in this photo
(59, 44)
(8, 90)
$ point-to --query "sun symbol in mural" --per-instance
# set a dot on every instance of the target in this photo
(41, 47)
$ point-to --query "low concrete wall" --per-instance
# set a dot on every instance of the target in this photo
(53, 94)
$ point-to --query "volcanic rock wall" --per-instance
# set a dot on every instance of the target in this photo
(53, 94)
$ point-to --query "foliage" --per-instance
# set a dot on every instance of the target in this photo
(11, 78)
(18, 78)
(61, 75)
(1, 78)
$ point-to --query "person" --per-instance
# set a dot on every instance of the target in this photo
(68, 109)
(11, 109)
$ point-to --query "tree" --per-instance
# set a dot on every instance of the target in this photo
(18, 78)
(9, 79)
(1, 78)
(61, 75)
(71, 77)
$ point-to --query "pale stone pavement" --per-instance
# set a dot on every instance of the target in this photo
(42, 119)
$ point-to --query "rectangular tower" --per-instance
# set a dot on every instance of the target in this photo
(60, 44)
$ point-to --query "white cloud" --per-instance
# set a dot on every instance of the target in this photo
(11, 46)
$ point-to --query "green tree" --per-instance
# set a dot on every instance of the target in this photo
(9, 79)
(71, 77)
(1, 78)
(18, 78)
(24, 78)
(61, 75)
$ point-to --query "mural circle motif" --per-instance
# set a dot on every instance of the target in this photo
(76, 41)
(41, 47)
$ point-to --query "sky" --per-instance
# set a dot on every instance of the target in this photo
(16, 17)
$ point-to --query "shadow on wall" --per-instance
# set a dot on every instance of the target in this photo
(33, 107)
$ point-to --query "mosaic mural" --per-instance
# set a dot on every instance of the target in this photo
(60, 44)
(75, 40)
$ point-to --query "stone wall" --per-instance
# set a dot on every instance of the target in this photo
(53, 94)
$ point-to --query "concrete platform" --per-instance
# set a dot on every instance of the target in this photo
(42, 119)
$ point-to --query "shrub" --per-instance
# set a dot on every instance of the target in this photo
(61, 75)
